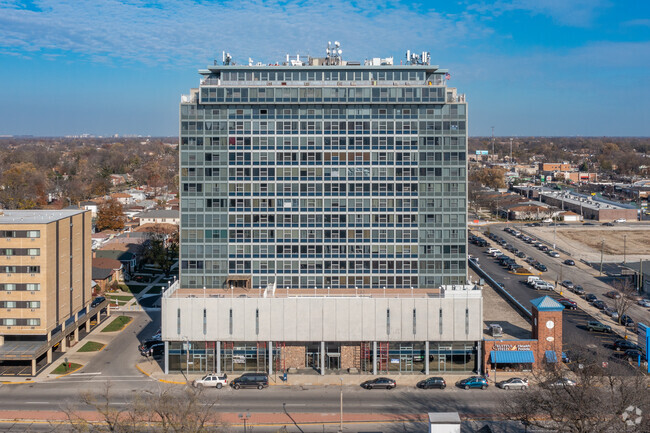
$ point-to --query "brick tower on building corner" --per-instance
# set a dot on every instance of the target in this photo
(547, 329)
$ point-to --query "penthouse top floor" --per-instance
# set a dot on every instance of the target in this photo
(36, 216)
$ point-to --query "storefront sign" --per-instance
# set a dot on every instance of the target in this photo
(394, 360)
(512, 347)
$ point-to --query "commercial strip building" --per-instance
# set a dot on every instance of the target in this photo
(323, 179)
(589, 208)
(419, 331)
(45, 283)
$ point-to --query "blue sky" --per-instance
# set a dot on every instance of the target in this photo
(528, 67)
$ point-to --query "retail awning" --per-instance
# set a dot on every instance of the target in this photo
(512, 357)
(550, 357)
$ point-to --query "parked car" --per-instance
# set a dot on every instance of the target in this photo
(594, 325)
(621, 344)
(563, 381)
(553, 254)
(578, 290)
(644, 302)
(251, 380)
(569, 262)
(631, 355)
(611, 312)
(98, 300)
(568, 303)
(608, 224)
(590, 297)
(155, 350)
(521, 254)
(211, 381)
(613, 294)
(541, 267)
(620, 220)
(568, 284)
(380, 382)
(626, 320)
(432, 382)
(599, 304)
(473, 382)
(513, 383)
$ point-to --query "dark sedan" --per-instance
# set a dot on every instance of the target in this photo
(590, 297)
(569, 304)
(625, 345)
(569, 262)
(432, 382)
(380, 382)
(599, 304)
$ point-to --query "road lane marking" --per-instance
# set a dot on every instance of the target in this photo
(86, 374)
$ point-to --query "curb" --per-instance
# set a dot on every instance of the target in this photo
(70, 372)
(158, 380)
(119, 330)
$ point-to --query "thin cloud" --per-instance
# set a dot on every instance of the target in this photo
(574, 13)
(182, 32)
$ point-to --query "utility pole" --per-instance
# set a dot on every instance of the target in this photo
(493, 154)
(624, 248)
(510, 150)
(602, 246)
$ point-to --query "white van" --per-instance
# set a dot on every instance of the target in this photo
(543, 285)
(532, 280)
(491, 250)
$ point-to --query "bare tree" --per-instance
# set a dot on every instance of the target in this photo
(606, 397)
(624, 301)
(168, 410)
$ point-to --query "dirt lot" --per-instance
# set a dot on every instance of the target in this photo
(637, 243)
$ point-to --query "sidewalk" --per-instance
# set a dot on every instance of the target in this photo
(72, 354)
(152, 368)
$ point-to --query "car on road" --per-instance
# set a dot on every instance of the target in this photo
(578, 290)
(211, 381)
(621, 344)
(589, 224)
(599, 304)
(568, 284)
(563, 381)
(568, 303)
(432, 382)
(590, 297)
(630, 355)
(98, 300)
(569, 262)
(594, 325)
(474, 382)
(544, 248)
(608, 224)
(513, 383)
(620, 220)
(521, 255)
(644, 302)
(613, 294)
(553, 254)
(380, 382)
(251, 380)
(540, 267)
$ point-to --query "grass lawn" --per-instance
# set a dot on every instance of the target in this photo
(117, 324)
(91, 346)
(63, 368)
(120, 298)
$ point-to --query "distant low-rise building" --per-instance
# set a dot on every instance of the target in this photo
(556, 166)
(159, 216)
(106, 272)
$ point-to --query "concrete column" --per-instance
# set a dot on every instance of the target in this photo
(166, 357)
(322, 358)
(2, 340)
(34, 367)
(76, 334)
(49, 355)
(374, 358)
(426, 358)
(63, 345)
(217, 353)
(479, 359)
(88, 324)
(108, 312)
(49, 335)
(270, 358)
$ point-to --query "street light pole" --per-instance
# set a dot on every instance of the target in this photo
(602, 246)
(244, 417)
(341, 419)
(624, 248)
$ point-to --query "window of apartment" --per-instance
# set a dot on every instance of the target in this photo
(33, 322)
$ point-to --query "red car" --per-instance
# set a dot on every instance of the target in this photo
(568, 303)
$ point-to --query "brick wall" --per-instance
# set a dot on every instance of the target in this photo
(350, 356)
(294, 355)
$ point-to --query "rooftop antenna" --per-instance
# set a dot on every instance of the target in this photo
(334, 53)
(226, 58)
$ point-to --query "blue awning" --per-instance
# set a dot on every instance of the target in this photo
(550, 356)
(512, 357)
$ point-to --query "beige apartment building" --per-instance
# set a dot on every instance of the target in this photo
(45, 284)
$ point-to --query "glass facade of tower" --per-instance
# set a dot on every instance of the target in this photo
(323, 176)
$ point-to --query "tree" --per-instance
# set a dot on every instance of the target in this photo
(168, 410)
(491, 177)
(22, 186)
(626, 299)
(605, 390)
(110, 216)
(162, 249)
